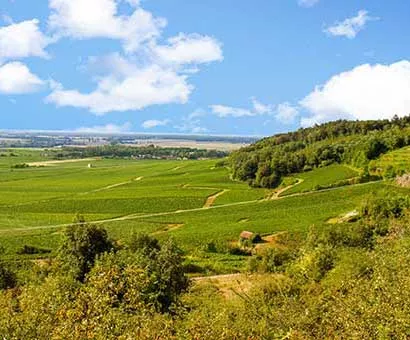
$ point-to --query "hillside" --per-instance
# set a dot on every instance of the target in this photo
(356, 143)
(118, 247)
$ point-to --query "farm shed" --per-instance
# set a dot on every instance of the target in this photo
(246, 235)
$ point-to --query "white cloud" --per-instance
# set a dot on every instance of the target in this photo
(260, 108)
(16, 78)
(136, 90)
(24, 39)
(149, 74)
(190, 49)
(350, 27)
(152, 123)
(227, 111)
(108, 129)
(308, 3)
(100, 19)
(363, 93)
(257, 109)
(286, 113)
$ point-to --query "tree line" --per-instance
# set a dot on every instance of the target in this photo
(149, 151)
(264, 163)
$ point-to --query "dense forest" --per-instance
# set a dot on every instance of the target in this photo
(356, 143)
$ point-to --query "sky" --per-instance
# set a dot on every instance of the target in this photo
(220, 67)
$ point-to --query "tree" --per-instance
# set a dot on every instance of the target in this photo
(82, 243)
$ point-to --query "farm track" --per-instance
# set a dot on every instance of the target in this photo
(211, 199)
(169, 213)
(278, 194)
(112, 186)
(217, 277)
(64, 161)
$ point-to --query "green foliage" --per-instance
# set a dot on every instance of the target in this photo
(82, 243)
(264, 163)
(7, 278)
(385, 206)
(142, 279)
(30, 250)
(20, 166)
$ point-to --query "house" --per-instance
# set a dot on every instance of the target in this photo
(89, 166)
(246, 235)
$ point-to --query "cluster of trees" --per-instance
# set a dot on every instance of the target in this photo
(149, 152)
(264, 163)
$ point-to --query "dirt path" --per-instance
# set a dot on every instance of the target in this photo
(217, 277)
(211, 199)
(281, 191)
(54, 162)
(277, 194)
(112, 186)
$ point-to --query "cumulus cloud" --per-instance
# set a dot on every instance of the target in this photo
(16, 78)
(21, 40)
(100, 19)
(189, 49)
(117, 92)
(149, 73)
(106, 129)
(152, 123)
(308, 3)
(350, 27)
(286, 113)
(365, 92)
(257, 109)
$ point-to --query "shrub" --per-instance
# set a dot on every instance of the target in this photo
(7, 278)
(81, 245)
(30, 250)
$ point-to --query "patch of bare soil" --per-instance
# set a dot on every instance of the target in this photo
(403, 181)
(211, 199)
(51, 163)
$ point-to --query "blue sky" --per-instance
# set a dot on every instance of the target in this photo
(212, 67)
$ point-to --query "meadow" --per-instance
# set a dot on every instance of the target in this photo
(325, 176)
(195, 202)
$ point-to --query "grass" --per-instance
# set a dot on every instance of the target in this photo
(320, 177)
(153, 196)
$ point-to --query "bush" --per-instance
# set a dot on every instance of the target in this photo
(7, 278)
(31, 250)
(20, 166)
(81, 245)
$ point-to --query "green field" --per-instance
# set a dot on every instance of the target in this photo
(165, 198)
(320, 177)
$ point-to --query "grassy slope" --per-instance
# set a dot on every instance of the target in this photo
(321, 176)
(400, 159)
